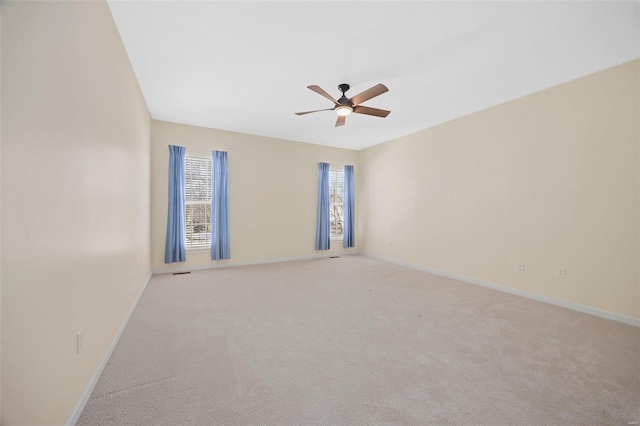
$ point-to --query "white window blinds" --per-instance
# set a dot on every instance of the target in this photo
(336, 197)
(197, 188)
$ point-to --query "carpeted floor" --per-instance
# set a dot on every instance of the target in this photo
(360, 341)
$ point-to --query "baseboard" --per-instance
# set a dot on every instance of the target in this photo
(563, 304)
(186, 268)
(75, 414)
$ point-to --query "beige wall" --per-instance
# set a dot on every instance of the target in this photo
(75, 201)
(272, 193)
(551, 179)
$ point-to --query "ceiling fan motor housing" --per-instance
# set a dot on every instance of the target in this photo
(344, 100)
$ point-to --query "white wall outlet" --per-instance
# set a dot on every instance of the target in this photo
(561, 273)
(520, 266)
(79, 339)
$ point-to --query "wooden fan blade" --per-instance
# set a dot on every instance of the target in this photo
(317, 110)
(371, 111)
(341, 120)
(319, 91)
(376, 90)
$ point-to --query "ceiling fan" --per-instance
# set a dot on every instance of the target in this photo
(344, 106)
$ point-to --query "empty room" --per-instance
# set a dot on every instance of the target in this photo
(319, 213)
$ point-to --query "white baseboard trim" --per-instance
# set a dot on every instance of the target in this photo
(186, 268)
(77, 410)
(563, 304)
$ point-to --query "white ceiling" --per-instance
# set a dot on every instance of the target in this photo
(244, 66)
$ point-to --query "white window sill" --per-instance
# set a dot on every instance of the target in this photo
(203, 248)
(336, 238)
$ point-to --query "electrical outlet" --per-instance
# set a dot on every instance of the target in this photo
(561, 273)
(520, 266)
(79, 339)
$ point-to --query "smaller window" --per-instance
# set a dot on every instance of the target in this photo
(336, 191)
(197, 195)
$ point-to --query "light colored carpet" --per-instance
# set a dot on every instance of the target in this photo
(360, 341)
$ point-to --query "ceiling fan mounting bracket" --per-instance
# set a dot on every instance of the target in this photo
(343, 87)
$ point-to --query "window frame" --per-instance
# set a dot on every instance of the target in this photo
(331, 204)
(199, 155)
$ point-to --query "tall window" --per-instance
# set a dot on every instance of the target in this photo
(197, 191)
(336, 197)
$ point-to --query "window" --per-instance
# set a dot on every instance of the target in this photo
(197, 194)
(336, 197)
